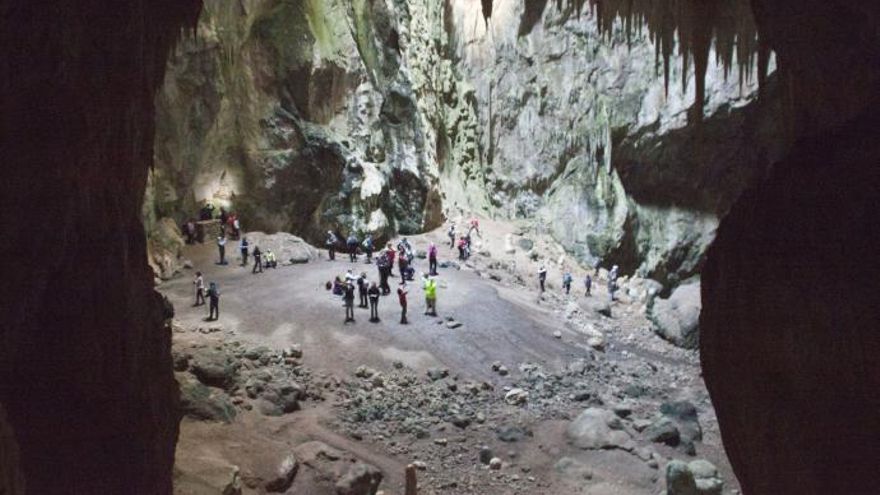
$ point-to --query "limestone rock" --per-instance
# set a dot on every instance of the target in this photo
(597, 429)
(677, 318)
(360, 479)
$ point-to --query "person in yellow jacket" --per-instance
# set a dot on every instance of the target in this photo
(430, 287)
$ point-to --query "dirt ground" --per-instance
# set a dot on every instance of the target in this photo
(503, 321)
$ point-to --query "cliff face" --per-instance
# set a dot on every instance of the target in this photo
(388, 115)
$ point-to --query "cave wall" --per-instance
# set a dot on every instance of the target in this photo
(789, 328)
(305, 115)
(85, 370)
(388, 116)
(624, 152)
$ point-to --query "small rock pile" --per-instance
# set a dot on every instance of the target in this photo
(217, 379)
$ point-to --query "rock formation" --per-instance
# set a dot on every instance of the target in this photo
(790, 308)
(388, 116)
(85, 365)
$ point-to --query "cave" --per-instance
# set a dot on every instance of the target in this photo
(119, 115)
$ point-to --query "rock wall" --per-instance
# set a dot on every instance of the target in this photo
(389, 115)
(790, 316)
(85, 366)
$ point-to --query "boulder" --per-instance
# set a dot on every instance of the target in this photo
(516, 397)
(214, 368)
(360, 479)
(663, 431)
(680, 480)
(280, 399)
(287, 248)
(164, 248)
(677, 318)
(684, 415)
(283, 475)
(596, 429)
(204, 403)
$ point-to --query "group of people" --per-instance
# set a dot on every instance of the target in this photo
(230, 225)
(211, 292)
(568, 279)
(464, 241)
(369, 292)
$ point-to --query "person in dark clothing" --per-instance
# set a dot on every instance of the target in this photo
(243, 247)
(258, 260)
(207, 212)
(588, 283)
(432, 259)
(214, 298)
(384, 270)
(362, 290)
(348, 297)
(199, 282)
(189, 228)
(401, 296)
(462, 246)
(368, 246)
(566, 282)
(542, 276)
(451, 234)
(352, 247)
(331, 242)
(403, 265)
(224, 217)
(373, 294)
(221, 246)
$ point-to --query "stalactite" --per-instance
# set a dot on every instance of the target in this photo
(695, 25)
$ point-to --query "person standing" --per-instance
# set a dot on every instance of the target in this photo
(189, 228)
(432, 259)
(236, 226)
(612, 281)
(401, 296)
(474, 227)
(362, 290)
(451, 234)
(199, 282)
(430, 287)
(214, 298)
(542, 277)
(403, 265)
(390, 253)
(373, 293)
(566, 282)
(352, 247)
(258, 260)
(462, 245)
(243, 247)
(221, 247)
(384, 269)
(588, 283)
(331, 242)
(224, 217)
(368, 248)
(348, 297)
